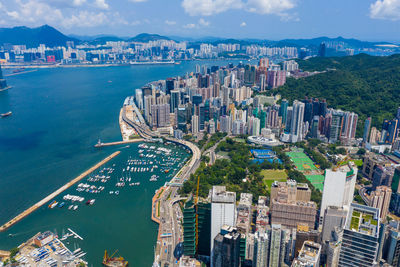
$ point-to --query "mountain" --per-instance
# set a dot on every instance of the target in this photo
(366, 85)
(33, 37)
(354, 43)
(146, 37)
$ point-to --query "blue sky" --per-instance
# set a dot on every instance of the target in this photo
(267, 19)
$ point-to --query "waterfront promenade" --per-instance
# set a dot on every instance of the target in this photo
(56, 193)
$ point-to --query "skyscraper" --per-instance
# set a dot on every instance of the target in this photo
(333, 217)
(277, 246)
(339, 187)
(367, 127)
(297, 124)
(3, 83)
(393, 249)
(380, 199)
(226, 249)
(261, 249)
(195, 124)
(360, 237)
(174, 100)
(283, 110)
(223, 210)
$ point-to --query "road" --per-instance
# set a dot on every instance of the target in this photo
(362, 192)
(170, 232)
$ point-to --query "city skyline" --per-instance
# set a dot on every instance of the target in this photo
(373, 20)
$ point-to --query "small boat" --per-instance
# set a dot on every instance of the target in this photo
(75, 207)
(6, 114)
(61, 204)
(117, 192)
(53, 204)
(90, 202)
(70, 207)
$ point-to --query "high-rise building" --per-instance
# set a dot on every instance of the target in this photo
(174, 100)
(339, 187)
(382, 175)
(283, 110)
(223, 210)
(203, 211)
(3, 83)
(261, 249)
(169, 85)
(297, 122)
(367, 127)
(277, 246)
(195, 124)
(322, 50)
(291, 214)
(290, 191)
(360, 237)
(160, 115)
(398, 114)
(380, 199)
(309, 255)
(226, 248)
(392, 253)
(333, 217)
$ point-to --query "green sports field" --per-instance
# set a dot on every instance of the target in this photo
(303, 163)
(273, 175)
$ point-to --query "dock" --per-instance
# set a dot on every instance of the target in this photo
(137, 140)
(56, 193)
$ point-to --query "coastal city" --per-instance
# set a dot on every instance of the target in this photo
(270, 145)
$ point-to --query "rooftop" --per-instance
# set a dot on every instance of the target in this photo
(220, 195)
(363, 219)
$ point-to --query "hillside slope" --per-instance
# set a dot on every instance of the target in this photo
(367, 85)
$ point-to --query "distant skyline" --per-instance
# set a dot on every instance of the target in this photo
(372, 20)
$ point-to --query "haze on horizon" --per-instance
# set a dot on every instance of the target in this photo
(373, 20)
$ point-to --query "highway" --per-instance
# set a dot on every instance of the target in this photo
(170, 232)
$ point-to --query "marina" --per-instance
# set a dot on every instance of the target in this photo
(56, 193)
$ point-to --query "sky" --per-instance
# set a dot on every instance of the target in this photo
(373, 20)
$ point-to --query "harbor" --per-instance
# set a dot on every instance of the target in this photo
(39, 159)
(56, 193)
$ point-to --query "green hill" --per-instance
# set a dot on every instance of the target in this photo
(367, 85)
(33, 37)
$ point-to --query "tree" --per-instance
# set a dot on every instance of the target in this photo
(361, 151)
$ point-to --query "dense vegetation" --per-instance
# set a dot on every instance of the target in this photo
(229, 172)
(240, 175)
(366, 85)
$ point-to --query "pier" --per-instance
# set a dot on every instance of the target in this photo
(57, 192)
(137, 140)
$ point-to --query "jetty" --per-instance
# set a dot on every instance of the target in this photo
(137, 140)
(57, 192)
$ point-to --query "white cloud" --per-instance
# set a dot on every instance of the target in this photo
(385, 9)
(189, 26)
(269, 6)
(243, 24)
(136, 22)
(85, 19)
(170, 22)
(78, 2)
(203, 22)
(101, 4)
(34, 11)
(211, 7)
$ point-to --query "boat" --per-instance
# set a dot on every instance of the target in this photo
(112, 261)
(90, 202)
(6, 114)
(117, 192)
(75, 207)
(70, 207)
(53, 204)
(61, 204)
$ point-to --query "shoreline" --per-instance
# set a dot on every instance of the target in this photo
(36, 206)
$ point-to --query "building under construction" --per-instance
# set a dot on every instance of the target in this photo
(189, 229)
